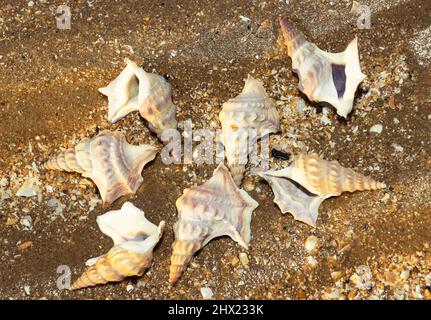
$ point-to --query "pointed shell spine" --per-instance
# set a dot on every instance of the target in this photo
(182, 254)
(329, 177)
(293, 37)
(357, 182)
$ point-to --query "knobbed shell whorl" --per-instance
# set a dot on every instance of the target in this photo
(324, 76)
(244, 119)
(137, 90)
(113, 164)
(213, 209)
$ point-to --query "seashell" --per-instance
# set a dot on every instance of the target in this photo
(324, 76)
(243, 119)
(134, 240)
(308, 180)
(216, 208)
(114, 165)
(137, 90)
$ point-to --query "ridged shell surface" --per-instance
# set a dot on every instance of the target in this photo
(244, 120)
(324, 76)
(137, 90)
(134, 240)
(113, 164)
(326, 178)
(309, 180)
(216, 208)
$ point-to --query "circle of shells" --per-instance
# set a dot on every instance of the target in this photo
(218, 207)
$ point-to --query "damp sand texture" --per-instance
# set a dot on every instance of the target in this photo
(369, 244)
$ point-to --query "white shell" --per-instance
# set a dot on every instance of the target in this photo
(245, 118)
(137, 90)
(301, 187)
(113, 164)
(324, 76)
(128, 223)
(134, 240)
(214, 209)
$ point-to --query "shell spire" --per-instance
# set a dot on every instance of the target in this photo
(244, 119)
(113, 164)
(216, 208)
(293, 37)
(137, 90)
(323, 76)
(134, 240)
(309, 180)
(326, 178)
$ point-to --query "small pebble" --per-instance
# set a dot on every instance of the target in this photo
(52, 202)
(300, 105)
(335, 275)
(25, 245)
(27, 190)
(244, 19)
(11, 221)
(27, 290)
(390, 277)
(234, 261)
(377, 129)
(244, 259)
(405, 274)
(385, 198)
(310, 244)
(26, 221)
(398, 148)
(207, 293)
(129, 288)
(312, 262)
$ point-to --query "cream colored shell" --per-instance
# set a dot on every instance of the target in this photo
(244, 119)
(113, 164)
(216, 208)
(308, 180)
(324, 76)
(134, 240)
(137, 90)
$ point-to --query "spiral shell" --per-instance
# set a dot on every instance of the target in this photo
(216, 208)
(244, 119)
(137, 90)
(327, 178)
(309, 180)
(134, 240)
(114, 165)
(323, 76)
